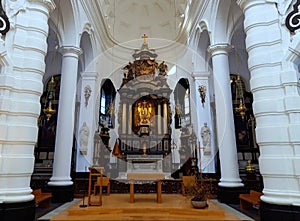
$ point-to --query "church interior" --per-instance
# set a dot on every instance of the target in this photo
(133, 110)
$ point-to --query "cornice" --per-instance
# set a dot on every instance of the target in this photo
(48, 3)
(89, 75)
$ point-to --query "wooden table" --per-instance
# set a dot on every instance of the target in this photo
(145, 177)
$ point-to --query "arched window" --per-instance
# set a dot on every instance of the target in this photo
(107, 104)
(182, 102)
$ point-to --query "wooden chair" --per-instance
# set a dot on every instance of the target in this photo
(187, 181)
(105, 182)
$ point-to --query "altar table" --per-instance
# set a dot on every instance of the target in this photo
(145, 177)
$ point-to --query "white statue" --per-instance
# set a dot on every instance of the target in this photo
(84, 138)
(205, 135)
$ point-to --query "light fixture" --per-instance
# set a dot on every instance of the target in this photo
(48, 110)
(241, 109)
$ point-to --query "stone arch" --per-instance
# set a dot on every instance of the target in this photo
(66, 22)
(87, 48)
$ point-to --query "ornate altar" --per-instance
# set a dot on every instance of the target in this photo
(144, 115)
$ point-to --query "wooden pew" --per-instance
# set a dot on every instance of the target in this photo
(43, 200)
(249, 200)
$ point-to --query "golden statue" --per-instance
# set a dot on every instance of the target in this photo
(144, 109)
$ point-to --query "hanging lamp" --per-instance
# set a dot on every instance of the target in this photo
(49, 111)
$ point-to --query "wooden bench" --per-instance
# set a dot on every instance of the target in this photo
(250, 200)
(43, 200)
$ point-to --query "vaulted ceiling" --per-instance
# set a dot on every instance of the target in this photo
(126, 20)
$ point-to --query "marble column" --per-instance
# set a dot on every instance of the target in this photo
(60, 182)
(225, 123)
(276, 107)
(22, 55)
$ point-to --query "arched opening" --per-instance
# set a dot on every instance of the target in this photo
(182, 115)
(107, 104)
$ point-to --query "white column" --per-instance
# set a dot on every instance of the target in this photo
(165, 117)
(65, 121)
(124, 118)
(159, 118)
(276, 102)
(224, 114)
(130, 119)
(20, 90)
(87, 109)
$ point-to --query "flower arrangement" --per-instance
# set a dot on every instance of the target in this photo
(198, 191)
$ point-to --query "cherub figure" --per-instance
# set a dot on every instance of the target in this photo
(163, 68)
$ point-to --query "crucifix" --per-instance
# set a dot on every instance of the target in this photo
(145, 37)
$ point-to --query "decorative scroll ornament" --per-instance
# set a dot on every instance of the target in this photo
(202, 91)
(292, 21)
(87, 94)
(4, 22)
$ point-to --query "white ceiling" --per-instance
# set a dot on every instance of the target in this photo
(130, 19)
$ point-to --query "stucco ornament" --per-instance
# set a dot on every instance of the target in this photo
(87, 94)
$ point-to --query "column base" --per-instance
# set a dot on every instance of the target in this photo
(24, 211)
(230, 194)
(279, 212)
(61, 194)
